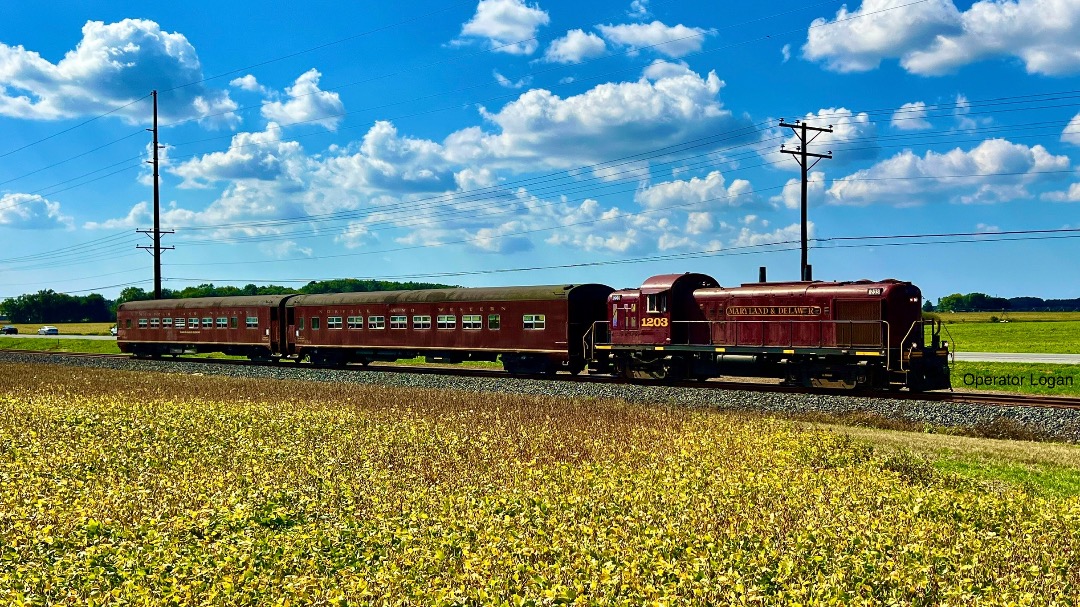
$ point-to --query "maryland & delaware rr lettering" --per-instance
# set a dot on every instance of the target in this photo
(774, 311)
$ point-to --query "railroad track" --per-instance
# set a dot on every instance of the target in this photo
(983, 398)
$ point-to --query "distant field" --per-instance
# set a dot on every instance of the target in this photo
(1050, 337)
(71, 328)
(962, 317)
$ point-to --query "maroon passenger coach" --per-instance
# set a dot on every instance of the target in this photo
(242, 326)
(824, 334)
(532, 329)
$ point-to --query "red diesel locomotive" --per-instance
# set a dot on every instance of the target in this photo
(824, 334)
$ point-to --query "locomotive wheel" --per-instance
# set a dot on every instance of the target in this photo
(840, 383)
(660, 373)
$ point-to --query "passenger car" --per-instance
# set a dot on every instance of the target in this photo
(9, 330)
(531, 329)
(48, 330)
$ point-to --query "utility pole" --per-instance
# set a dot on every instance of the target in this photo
(157, 248)
(802, 156)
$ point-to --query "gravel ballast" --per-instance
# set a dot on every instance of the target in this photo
(1057, 424)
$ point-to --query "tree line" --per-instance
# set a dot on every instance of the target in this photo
(981, 302)
(51, 307)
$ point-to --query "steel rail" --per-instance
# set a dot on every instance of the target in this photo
(984, 398)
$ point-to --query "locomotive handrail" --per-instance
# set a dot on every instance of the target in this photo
(850, 343)
(952, 351)
(884, 341)
(904, 341)
(589, 339)
(888, 344)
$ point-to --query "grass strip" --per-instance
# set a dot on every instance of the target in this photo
(1020, 378)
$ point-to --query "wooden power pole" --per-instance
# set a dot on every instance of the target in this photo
(156, 248)
(803, 156)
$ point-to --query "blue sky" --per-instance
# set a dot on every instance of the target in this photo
(507, 142)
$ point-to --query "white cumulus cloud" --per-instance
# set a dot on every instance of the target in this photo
(934, 37)
(609, 121)
(509, 26)
(260, 156)
(639, 9)
(575, 47)
(1070, 195)
(673, 41)
(712, 190)
(911, 117)
(112, 65)
(1071, 134)
(306, 103)
(994, 171)
(32, 212)
(248, 83)
(511, 84)
(748, 237)
(791, 195)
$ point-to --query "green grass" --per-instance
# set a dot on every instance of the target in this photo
(421, 361)
(51, 343)
(1050, 337)
(1046, 479)
(1049, 469)
(1027, 375)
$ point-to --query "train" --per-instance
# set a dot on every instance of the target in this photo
(847, 335)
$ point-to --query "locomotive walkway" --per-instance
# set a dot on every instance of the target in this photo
(1013, 357)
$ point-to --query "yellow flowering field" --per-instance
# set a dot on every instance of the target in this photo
(119, 488)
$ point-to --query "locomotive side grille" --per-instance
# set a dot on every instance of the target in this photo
(858, 333)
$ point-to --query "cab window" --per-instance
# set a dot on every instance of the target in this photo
(656, 303)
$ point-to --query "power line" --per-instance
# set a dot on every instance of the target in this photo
(666, 42)
(320, 47)
(873, 240)
(498, 202)
(980, 237)
(118, 172)
(560, 174)
(502, 189)
(587, 222)
(69, 129)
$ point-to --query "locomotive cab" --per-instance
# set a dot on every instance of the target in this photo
(644, 324)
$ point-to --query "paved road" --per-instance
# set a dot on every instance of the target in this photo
(1007, 357)
(34, 336)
